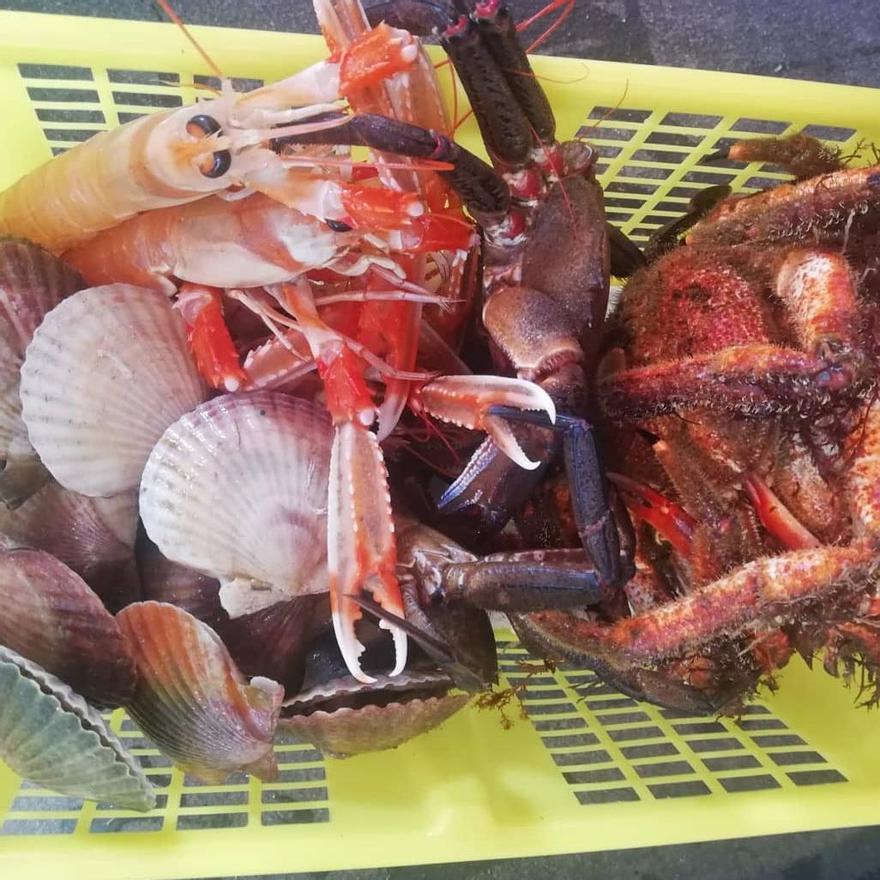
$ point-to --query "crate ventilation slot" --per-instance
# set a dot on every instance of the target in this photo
(298, 797)
(610, 748)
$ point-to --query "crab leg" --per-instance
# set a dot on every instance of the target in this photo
(474, 401)
(824, 206)
(669, 235)
(776, 517)
(524, 581)
(595, 522)
(759, 596)
(756, 596)
(802, 155)
(753, 380)
(208, 336)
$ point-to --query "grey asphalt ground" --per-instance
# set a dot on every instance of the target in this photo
(829, 40)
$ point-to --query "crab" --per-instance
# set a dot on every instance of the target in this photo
(739, 386)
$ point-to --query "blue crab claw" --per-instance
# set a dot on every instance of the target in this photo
(468, 401)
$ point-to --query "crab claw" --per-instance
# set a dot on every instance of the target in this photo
(467, 400)
(361, 550)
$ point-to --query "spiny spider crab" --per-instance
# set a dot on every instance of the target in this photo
(740, 384)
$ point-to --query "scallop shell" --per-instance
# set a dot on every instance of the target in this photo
(49, 615)
(237, 489)
(192, 700)
(343, 716)
(50, 735)
(32, 282)
(106, 373)
(92, 536)
(348, 732)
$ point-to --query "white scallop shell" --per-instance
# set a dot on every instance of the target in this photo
(237, 489)
(106, 373)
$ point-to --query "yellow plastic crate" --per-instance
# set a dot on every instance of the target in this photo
(586, 769)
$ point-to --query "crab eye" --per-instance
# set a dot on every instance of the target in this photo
(202, 125)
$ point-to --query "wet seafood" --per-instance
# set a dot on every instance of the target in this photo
(93, 536)
(237, 489)
(49, 615)
(544, 317)
(50, 735)
(32, 282)
(182, 155)
(192, 700)
(106, 373)
(762, 438)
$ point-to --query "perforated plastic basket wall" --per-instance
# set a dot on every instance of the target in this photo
(586, 769)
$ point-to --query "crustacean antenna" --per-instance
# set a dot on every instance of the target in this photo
(567, 7)
(175, 18)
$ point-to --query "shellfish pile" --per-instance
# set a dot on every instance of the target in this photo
(164, 550)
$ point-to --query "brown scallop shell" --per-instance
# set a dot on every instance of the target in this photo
(271, 642)
(344, 716)
(49, 615)
(93, 536)
(32, 282)
(163, 580)
(348, 732)
(191, 699)
(274, 641)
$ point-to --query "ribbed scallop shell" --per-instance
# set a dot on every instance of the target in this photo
(93, 536)
(32, 282)
(192, 701)
(50, 736)
(344, 716)
(238, 489)
(106, 373)
(348, 732)
(49, 615)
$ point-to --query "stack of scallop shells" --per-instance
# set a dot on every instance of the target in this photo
(163, 549)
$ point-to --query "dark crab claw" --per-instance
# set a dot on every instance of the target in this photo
(467, 658)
